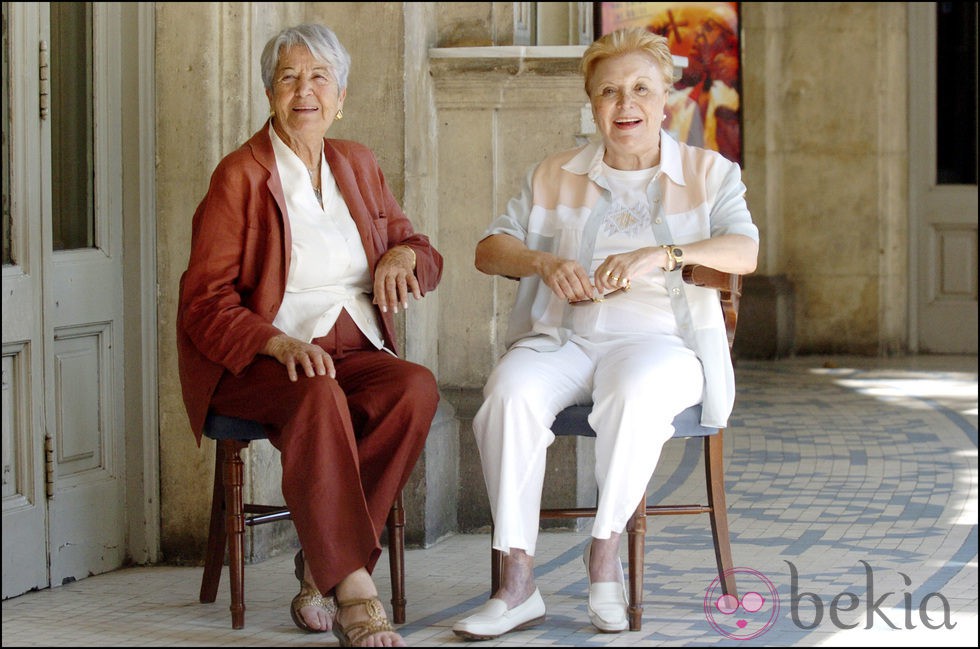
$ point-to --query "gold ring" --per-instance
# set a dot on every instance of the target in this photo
(608, 273)
(614, 278)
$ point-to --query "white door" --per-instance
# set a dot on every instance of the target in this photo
(25, 510)
(942, 196)
(69, 139)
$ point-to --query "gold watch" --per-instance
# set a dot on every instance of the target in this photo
(675, 257)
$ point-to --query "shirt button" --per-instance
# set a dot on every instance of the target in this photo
(658, 220)
(675, 291)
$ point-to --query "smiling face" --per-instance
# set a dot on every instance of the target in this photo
(628, 95)
(305, 97)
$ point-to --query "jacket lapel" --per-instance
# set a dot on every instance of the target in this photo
(261, 145)
(343, 172)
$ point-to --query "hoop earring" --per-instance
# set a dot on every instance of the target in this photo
(340, 114)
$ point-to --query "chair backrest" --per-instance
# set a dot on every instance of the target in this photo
(729, 288)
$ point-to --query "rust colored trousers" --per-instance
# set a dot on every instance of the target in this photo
(348, 445)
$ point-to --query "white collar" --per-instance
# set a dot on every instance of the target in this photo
(588, 161)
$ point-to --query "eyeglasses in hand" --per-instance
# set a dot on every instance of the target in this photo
(601, 298)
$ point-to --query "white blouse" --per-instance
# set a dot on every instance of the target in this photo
(328, 271)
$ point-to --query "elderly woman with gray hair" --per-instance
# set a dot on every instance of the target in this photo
(300, 256)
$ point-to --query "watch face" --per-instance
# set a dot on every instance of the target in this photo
(677, 253)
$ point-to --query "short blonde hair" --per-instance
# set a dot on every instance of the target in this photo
(628, 41)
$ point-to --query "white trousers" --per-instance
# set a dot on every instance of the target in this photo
(637, 384)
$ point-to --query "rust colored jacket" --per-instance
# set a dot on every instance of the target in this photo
(240, 255)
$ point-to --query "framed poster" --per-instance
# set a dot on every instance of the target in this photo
(705, 107)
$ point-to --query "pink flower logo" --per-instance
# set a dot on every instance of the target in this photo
(745, 617)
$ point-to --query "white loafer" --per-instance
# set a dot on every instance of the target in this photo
(607, 600)
(494, 619)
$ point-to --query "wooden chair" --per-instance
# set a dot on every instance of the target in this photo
(574, 421)
(230, 516)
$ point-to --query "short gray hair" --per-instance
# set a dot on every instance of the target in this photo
(319, 39)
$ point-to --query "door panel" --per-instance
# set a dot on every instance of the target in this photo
(80, 428)
(87, 518)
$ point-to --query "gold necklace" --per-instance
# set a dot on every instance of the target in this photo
(317, 192)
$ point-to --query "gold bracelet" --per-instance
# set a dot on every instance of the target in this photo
(671, 262)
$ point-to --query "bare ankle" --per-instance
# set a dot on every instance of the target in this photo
(517, 578)
(357, 585)
(604, 564)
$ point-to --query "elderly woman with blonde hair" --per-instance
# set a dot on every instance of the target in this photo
(597, 239)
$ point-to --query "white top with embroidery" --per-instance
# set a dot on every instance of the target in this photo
(627, 226)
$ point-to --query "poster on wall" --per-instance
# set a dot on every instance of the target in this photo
(705, 106)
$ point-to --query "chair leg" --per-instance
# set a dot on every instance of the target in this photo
(233, 470)
(214, 558)
(636, 530)
(715, 475)
(396, 559)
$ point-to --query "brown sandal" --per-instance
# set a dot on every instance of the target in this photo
(355, 632)
(309, 596)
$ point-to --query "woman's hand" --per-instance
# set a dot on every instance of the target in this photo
(394, 279)
(292, 352)
(616, 271)
(566, 278)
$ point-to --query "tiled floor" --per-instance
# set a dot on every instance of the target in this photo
(852, 491)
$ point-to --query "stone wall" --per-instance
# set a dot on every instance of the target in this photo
(825, 131)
